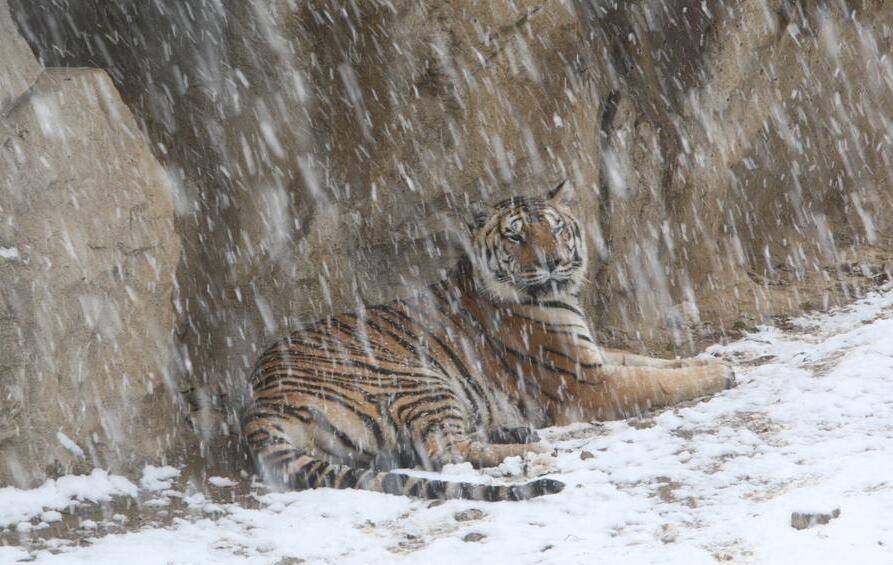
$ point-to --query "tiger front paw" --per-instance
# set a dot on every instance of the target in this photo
(722, 375)
(728, 375)
(714, 375)
(721, 364)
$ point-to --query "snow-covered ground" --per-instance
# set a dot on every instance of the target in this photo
(809, 429)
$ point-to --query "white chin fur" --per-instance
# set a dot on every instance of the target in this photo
(507, 292)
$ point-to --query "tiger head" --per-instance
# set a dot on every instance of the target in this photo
(528, 249)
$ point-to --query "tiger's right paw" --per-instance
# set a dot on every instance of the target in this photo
(728, 375)
(722, 375)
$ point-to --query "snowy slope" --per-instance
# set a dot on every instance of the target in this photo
(809, 429)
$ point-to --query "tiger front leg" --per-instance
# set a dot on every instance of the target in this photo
(624, 358)
(481, 454)
(442, 442)
(442, 449)
(616, 392)
(505, 434)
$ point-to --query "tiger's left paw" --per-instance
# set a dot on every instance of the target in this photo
(537, 462)
(728, 375)
(721, 375)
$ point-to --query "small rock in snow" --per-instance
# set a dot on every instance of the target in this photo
(473, 536)
(470, 514)
(668, 533)
(584, 455)
(803, 520)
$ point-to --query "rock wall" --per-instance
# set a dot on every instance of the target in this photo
(20, 67)
(731, 159)
(87, 258)
(752, 147)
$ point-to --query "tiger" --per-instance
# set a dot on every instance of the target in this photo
(462, 371)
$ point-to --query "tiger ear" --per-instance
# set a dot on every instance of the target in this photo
(560, 194)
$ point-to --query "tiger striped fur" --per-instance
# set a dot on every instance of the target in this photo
(498, 345)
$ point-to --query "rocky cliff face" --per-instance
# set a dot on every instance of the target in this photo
(87, 258)
(20, 67)
(731, 159)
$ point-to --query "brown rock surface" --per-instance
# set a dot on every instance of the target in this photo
(87, 258)
(731, 159)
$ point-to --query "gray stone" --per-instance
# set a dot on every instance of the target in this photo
(87, 259)
(468, 515)
(803, 520)
(18, 66)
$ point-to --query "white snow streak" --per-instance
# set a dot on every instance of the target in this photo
(69, 444)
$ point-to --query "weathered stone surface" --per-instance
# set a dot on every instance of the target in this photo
(87, 260)
(772, 180)
(468, 515)
(18, 66)
(731, 159)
